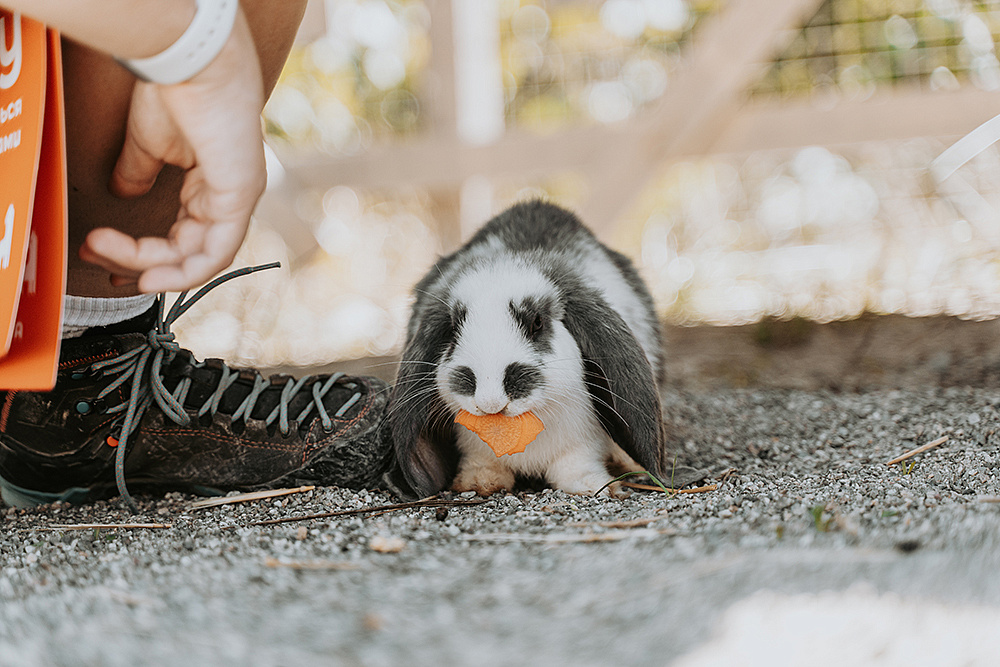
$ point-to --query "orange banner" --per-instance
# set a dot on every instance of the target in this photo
(32, 203)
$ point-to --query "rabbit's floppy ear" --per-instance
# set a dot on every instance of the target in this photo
(618, 376)
(422, 432)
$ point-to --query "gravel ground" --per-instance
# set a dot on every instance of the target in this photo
(810, 546)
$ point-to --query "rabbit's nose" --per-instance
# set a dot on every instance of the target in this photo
(492, 407)
(491, 402)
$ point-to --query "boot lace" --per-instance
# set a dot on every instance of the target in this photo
(142, 366)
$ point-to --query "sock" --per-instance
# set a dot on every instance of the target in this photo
(82, 312)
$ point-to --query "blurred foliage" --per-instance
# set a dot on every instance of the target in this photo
(572, 62)
(361, 80)
(582, 62)
(810, 233)
(566, 62)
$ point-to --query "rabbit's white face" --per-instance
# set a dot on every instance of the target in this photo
(510, 352)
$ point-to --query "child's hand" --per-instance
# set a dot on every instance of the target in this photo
(209, 126)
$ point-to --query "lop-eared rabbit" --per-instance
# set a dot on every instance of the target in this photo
(532, 314)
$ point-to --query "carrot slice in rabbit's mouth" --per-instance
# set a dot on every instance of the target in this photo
(504, 435)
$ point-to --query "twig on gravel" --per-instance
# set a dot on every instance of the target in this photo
(989, 499)
(310, 564)
(650, 487)
(247, 497)
(433, 501)
(102, 526)
(725, 474)
(919, 450)
(561, 538)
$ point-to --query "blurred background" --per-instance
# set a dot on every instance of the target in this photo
(757, 159)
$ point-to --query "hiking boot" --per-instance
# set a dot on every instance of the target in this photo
(131, 408)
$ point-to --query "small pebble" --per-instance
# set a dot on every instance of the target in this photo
(386, 544)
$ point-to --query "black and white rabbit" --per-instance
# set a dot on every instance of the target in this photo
(533, 313)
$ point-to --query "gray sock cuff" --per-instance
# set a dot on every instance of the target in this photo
(82, 312)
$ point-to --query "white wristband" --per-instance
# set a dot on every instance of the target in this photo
(194, 50)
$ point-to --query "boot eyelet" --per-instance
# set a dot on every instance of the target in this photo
(83, 407)
(294, 428)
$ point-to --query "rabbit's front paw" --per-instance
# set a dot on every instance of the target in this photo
(484, 480)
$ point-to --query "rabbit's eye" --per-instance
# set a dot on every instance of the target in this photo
(534, 318)
(536, 326)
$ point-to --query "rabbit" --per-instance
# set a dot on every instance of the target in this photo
(533, 313)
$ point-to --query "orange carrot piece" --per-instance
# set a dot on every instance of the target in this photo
(504, 435)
